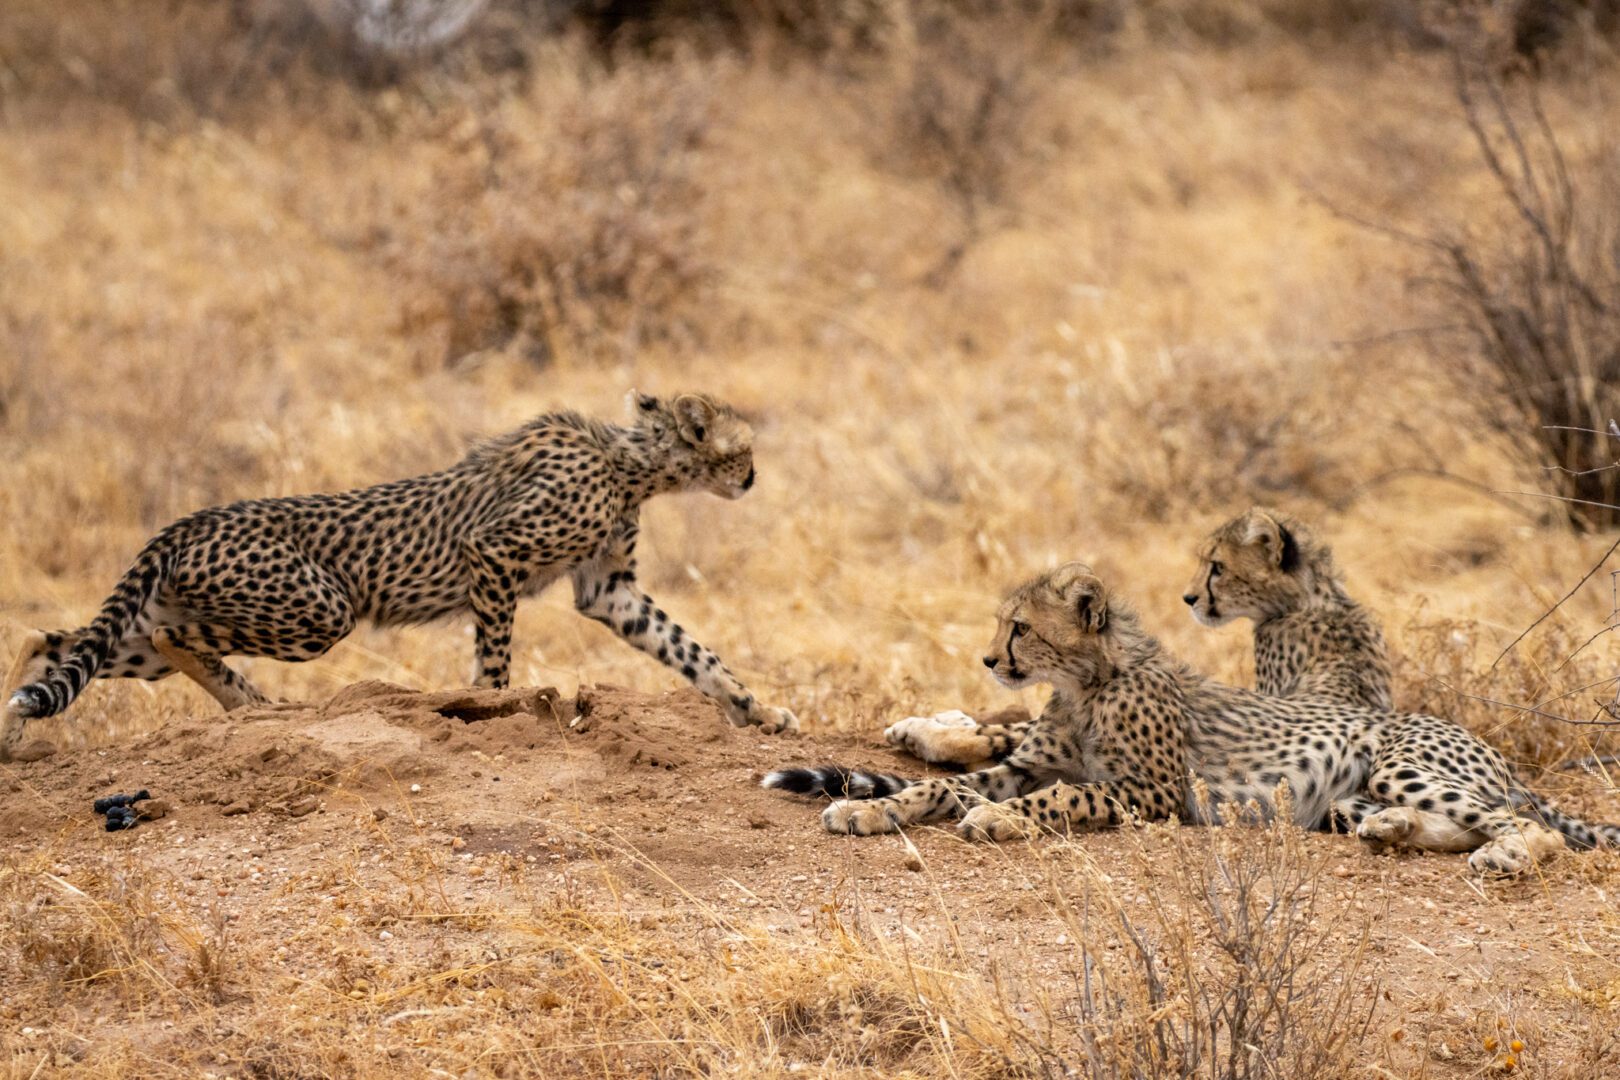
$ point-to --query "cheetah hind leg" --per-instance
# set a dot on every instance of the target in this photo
(1519, 845)
(186, 650)
(1409, 827)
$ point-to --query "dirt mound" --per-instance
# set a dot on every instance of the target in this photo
(374, 739)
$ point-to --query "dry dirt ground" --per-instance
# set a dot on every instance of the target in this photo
(383, 853)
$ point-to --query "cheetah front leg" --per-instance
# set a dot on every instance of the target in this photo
(1060, 808)
(606, 591)
(928, 801)
(959, 740)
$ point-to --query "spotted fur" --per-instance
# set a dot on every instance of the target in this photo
(288, 578)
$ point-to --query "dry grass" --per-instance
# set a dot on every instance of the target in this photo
(986, 317)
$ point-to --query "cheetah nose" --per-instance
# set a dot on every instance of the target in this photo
(1190, 598)
(748, 481)
(989, 661)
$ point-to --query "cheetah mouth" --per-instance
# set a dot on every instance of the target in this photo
(1012, 678)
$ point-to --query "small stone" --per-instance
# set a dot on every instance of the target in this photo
(378, 814)
(152, 809)
(34, 750)
(237, 808)
(758, 821)
(416, 789)
(913, 862)
(300, 807)
(457, 843)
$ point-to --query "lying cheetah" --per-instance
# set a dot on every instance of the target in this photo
(289, 578)
(1241, 744)
(1110, 742)
(1311, 640)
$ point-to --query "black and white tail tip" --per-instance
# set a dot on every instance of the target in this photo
(836, 782)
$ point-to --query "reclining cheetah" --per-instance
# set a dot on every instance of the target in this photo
(289, 578)
(1240, 743)
(1311, 640)
(1110, 741)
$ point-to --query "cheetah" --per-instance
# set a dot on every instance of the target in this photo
(290, 577)
(1333, 756)
(1310, 638)
(1110, 742)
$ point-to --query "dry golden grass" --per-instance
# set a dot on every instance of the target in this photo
(1126, 317)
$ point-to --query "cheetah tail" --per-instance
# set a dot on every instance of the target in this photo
(134, 591)
(837, 782)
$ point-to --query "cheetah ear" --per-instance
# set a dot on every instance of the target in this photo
(641, 404)
(1086, 595)
(1091, 607)
(1261, 530)
(1274, 538)
(694, 417)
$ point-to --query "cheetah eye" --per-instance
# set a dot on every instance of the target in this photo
(1019, 629)
(1214, 569)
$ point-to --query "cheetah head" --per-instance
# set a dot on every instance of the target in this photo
(1254, 566)
(1057, 629)
(709, 445)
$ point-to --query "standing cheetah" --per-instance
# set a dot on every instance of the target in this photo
(1241, 745)
(289, 578)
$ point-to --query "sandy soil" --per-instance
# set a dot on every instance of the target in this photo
(651, 805)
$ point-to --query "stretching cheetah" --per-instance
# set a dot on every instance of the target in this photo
(289, 578)
(1241, 744)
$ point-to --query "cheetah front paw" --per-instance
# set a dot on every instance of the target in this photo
(1513, 853)
(988, 821)
(944, 738)
(748, 712)
(860, 817)
(1387, 828)
(774, 721)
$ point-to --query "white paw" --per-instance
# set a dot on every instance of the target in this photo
(899, 732)
(1505, 856)
(988, 821)
(1387, 828)
(931, 737)
(860, 817)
